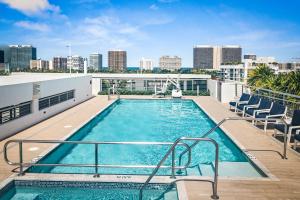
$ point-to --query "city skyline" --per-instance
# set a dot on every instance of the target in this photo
(151, 28)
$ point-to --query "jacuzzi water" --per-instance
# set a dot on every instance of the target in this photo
(45, 190)
(149, 121)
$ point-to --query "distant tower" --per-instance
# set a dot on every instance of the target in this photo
(117, 60)
(95, 61)
(146, 64)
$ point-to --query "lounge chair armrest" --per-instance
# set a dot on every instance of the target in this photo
(242, 102)
(294, 127)
(262, 111)
(252, 106)
(271, 116)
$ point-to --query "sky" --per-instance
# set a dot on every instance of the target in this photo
(152, 28)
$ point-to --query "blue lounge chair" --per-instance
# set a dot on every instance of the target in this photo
(243, 99)
(264, 105)
(289, 128)
(277, 111)
(252, 103)
(296, 139)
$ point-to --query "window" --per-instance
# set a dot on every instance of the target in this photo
(13, 112)
(55, 99)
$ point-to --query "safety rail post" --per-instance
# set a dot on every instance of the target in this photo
(173, 164)
(216, 174)
(96, 161)
(21, 173)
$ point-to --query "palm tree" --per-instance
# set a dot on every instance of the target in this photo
(293, 83)
(261, 77)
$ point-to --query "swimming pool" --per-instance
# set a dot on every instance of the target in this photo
(151, 121)
(61, 190)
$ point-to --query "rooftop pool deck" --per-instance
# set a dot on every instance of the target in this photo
(284, 175)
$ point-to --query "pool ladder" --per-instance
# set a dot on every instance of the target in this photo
(114, 90)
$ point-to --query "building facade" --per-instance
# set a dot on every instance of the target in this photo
(59, 63)
(250, 56)
(146, 64)
(211, 57)
(147, 82)
(170, 63)
(203, 57)
(231, 55)
(39, 64)
(117, 60)
(75, 63)
(19, 56)
(95, 61)
(232, 72)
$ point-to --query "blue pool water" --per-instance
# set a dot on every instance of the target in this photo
(149, 120)
(42, 190)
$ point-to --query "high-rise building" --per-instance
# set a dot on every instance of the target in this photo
(2, 65)
(39, 64)
(170, 63)
(19, 56)
(250, 57)
(203, 56)
(231, 55)
(95, 61)
(75, 62)
(146, 64)
(211, 57)
(117, 60)
(1, 56)
(59, 63)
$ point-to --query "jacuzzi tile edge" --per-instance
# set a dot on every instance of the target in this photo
(89, 181)
(259, 166)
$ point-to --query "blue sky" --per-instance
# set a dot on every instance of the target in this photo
(151, 28)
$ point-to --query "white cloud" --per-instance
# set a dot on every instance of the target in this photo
(33, 26)
(31, 7)
(153, 7)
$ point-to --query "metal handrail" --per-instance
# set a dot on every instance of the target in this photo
(96, 165)
(238, 118)
(172, 150)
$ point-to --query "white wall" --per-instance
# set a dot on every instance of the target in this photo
(15, 94)
(212, 86)
(228, 91)
(224, 91)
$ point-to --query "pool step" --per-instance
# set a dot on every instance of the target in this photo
(237, 169)
(171, 195)
(25, 196)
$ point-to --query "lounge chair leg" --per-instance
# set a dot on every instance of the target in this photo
(295, 145)
(265, 127)
(289, 137)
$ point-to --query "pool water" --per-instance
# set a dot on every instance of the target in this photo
(151, 121)
(42, 190)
